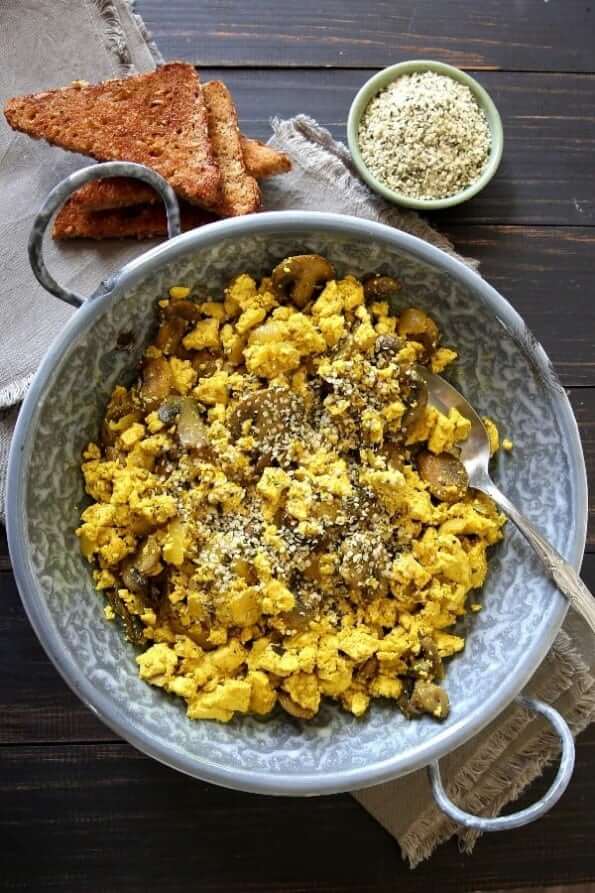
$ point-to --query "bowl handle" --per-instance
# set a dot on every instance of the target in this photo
(70, 184)
(536, 810)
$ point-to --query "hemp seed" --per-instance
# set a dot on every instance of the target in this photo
(424, 135)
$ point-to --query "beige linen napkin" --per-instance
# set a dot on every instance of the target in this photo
(45, 44)
(103, 39)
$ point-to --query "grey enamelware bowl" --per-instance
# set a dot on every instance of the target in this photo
(502, 370)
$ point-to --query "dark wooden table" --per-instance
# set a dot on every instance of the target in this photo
(83, 811)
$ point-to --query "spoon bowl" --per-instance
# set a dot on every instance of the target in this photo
(475, 456)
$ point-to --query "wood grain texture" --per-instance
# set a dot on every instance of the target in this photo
(548, 275)
(523, 35)
(546, 174)
(104, 817)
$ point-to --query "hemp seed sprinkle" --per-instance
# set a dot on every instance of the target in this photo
(425, 135)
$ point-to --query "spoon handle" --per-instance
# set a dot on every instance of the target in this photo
(562, 573)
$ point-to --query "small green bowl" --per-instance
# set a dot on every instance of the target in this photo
(387, 76)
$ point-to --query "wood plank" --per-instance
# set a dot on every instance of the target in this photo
(548, 275)
(4, 559)
(36, 706)
(549, 131)
(100, 817)
(531, 35)
(583, 404)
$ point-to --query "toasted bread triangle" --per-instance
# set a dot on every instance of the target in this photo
(240, 193)
(261, 161)
(140, 222)
(158, 119)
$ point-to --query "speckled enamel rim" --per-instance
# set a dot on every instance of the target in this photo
(297, 222)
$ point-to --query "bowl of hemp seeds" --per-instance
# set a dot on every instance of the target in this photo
(425, 135)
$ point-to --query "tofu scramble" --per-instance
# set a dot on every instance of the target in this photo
(278, 515)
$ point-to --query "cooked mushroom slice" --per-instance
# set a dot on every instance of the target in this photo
(444, 474)
(185, 310)
(192, 431)
(386, 348)
(204, 362)
(133, 579)
(368, 670)
(132, 624)
(427, 697)
(121, 408)
(145, 563)
(417, 402)
(380, 288)
(307, 604)
(418, 326)
(389, 344)
(364, 563)
(278, 417)
(429, 663)
(294, 709)
(300, 276)
(169, 410)
(170, 334)
(157, 381)
(393, 453)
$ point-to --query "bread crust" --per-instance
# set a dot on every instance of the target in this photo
(261, 161)
(158, 119)
(140, 222)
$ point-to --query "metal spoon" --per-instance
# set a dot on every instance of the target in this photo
(475, 456)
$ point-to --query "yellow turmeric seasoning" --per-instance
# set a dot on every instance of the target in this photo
(270, 516)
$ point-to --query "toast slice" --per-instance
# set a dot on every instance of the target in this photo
(158, 119)
(260, 160)
(140, 222)
(263, 161)
(240, 193)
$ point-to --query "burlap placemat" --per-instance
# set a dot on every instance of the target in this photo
(103, 38)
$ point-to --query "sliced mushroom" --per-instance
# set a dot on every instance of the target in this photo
(185, 310)
(305, 610)
(121, 408)
(364, 563)
(121, 404)
(278, 418)
(393, 452)
(416, 325)
(300, 276)
(170, 335)
(417, 402)
(444, 474)
(368, 670)
(157, 381)
(427, 697)
(146, 563)
(386, 348)
(133, 626)
(380, 288)
(290, 706)
(192, 431)
(429, 663)
(169, 410)
(204, 362)
(133, 579)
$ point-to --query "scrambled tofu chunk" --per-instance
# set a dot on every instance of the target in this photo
(268, 519)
